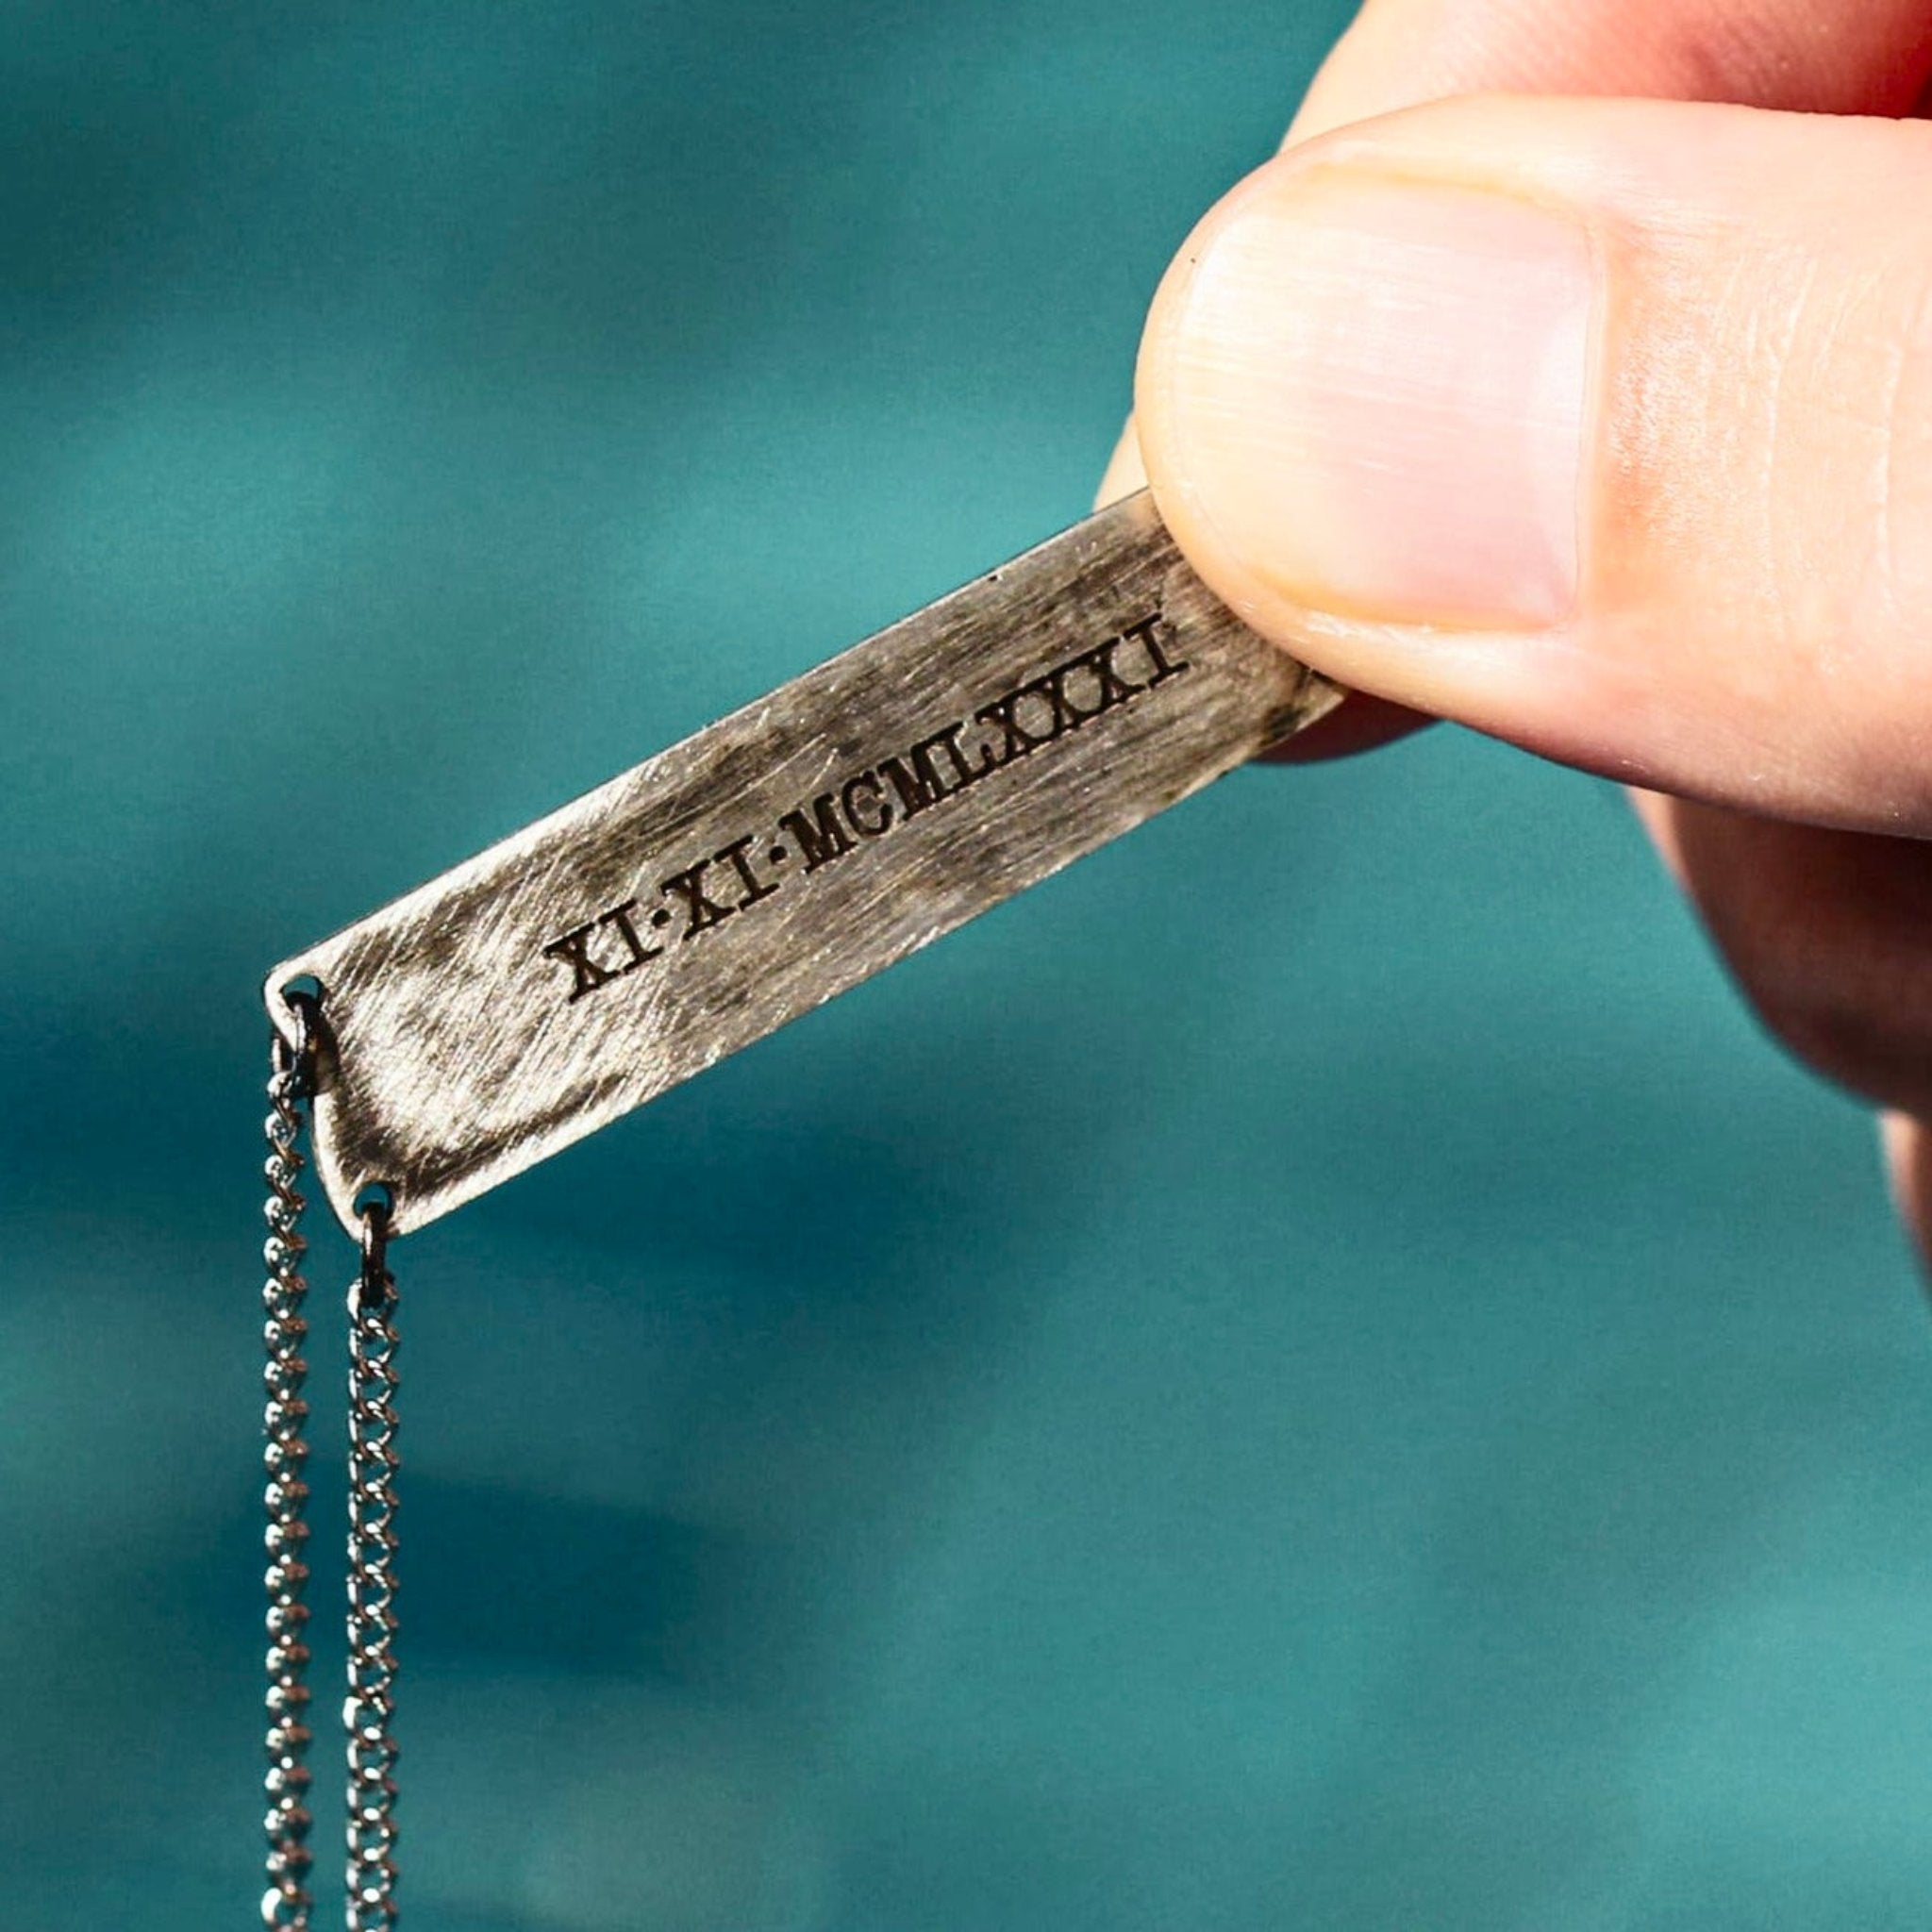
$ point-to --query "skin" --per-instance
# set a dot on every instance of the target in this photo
(1750, 642)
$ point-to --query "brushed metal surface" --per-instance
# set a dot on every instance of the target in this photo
(776, 857)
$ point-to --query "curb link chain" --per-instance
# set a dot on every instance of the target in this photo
(369, 1709)
(287, 1902)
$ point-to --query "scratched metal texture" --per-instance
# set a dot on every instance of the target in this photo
(465, 1040)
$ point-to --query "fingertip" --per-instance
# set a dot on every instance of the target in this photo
(1562, 420)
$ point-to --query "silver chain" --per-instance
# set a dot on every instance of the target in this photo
(285, 1456)
(369, 1709)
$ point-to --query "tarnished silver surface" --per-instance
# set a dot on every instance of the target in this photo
(776, 857)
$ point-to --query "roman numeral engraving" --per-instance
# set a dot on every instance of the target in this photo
(574, 950)
(1148, 632)
(1016, 740)
(734, 855)
(873, 815)
(817, 833)
(868, 804)
(922, 783)
(688, 889)
(1110, 687)
(793, 848)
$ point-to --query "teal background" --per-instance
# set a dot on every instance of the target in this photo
(1314, 1372)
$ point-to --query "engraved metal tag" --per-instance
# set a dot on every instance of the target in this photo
(778, 857)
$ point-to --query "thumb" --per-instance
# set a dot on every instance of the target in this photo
(1604, 426)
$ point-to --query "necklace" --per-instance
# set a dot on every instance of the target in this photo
(637, 936)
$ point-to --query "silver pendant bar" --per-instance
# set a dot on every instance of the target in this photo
(778, 857)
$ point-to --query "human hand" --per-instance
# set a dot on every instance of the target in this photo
(1605, 425)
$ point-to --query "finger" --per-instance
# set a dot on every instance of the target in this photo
(1361, 722)
(1854, 56)
(1861, 55)
(1841, 56)
(1827, 933)
(1358, 724)
(1603, 427)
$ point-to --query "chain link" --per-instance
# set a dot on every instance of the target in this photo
(369, 1711)
(287, 1902)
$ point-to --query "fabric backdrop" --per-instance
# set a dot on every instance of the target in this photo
(1314, 1372)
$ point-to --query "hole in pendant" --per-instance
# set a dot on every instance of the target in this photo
(304, 986)
(376, 1197)
(300, 999)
